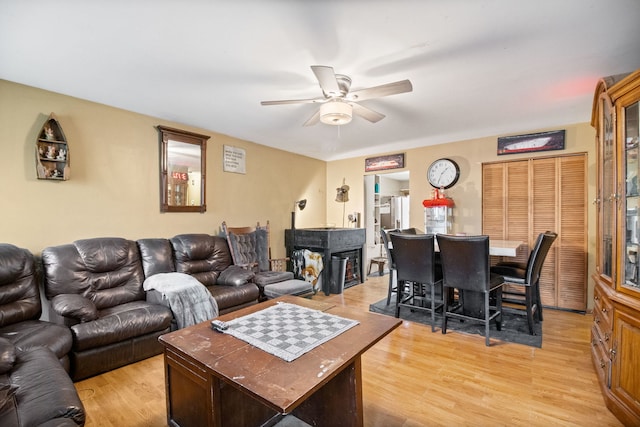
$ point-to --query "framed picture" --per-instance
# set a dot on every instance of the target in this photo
(392, 161)
(533, 142)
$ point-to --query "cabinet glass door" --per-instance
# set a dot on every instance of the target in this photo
(608, 185)
(632, 236)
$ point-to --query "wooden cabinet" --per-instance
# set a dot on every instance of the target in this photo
(615, 335)
(52, 152)
(523, 198)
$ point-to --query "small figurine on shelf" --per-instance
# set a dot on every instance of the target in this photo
(41, 151)
(48, 133)
(51, 152)
(62, 154)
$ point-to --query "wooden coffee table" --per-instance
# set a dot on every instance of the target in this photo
(215, 379)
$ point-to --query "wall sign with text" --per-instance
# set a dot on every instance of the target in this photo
(234, 159)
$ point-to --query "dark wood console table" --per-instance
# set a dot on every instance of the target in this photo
(328, 241)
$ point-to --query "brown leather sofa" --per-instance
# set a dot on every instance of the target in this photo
(95, 288)
(208, 259)
(35, 388)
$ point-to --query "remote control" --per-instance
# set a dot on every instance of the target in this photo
(219, 325)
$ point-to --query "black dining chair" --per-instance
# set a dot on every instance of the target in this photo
(419, 284)
(524, 281)
(384, 234)
(465, 267)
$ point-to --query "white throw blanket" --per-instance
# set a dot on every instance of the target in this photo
(189, 300)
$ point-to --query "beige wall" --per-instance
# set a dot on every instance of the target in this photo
(114, 185)
(114, 191)
(466, 193)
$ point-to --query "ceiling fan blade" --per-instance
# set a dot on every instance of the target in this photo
(327, 79)
(313, 119)
(293, 101)
(380, 91)
(367, 113)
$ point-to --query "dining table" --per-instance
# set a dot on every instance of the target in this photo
(499, 247)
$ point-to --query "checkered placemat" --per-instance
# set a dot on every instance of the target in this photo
(288, 330)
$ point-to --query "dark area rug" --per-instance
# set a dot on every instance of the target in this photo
(514, 327)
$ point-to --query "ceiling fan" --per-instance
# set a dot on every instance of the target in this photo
(339, 103)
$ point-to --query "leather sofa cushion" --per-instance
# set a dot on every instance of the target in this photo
(74, 306)
(106, 270)
(201, 256)
(235, 276)
(229, 296)
(44, 390)
(265, 278)
(7, 357)
(13, 263)
(120, 323)
(156, 255)
(19, 292)
(37, 333)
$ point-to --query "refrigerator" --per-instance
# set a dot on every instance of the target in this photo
(394, 212)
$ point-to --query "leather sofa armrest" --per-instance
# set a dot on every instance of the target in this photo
(7, 355)
(74, 306)
(235, 275)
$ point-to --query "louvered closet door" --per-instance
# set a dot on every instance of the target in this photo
(539, 195)
(493, 197)
(517, 205)
(572, 257)
(545, 216)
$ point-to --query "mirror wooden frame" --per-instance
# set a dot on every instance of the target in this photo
(167, 134)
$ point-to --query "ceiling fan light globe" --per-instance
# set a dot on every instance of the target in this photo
(336, 113)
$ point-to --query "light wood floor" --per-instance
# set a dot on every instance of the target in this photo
(415, 377)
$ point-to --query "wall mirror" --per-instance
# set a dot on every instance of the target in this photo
(182, 170)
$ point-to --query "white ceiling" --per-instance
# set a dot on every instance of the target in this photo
(478, 67)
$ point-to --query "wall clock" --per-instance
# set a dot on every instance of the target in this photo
(443, 173)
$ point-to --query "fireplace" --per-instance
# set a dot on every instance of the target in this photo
(345, 242)
(351, 274)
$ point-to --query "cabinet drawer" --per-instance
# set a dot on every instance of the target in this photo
(602, 311)
(602, 336)
(600, 355)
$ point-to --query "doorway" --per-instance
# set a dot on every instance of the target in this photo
(386, 206)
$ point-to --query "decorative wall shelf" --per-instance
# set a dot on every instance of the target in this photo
(52, 152)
